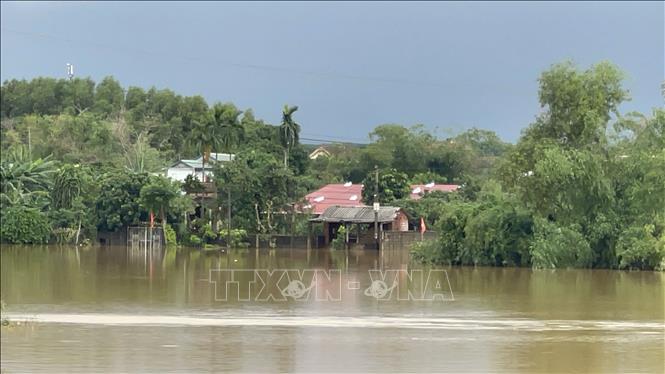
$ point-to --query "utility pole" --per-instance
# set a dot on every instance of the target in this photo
(376, 207)
(29, 144)
(228, 196)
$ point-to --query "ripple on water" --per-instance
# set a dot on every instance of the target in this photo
(655, 328)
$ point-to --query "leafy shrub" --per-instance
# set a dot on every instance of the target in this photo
(339, 240)
(451, 225)
(427, 252)
(642, 247)
(500, 235)
(195, 240)
(557, 247)
(192, 185)
(64, 235)
(238, 237)
(23, 225)
(207, 234)
(118, 200)
(169, 234)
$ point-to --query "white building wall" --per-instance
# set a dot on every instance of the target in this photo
(179, 174)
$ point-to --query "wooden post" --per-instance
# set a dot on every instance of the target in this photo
(293, 223)
(380, 240)
(228, 238)
(346, 235)
(309, 235)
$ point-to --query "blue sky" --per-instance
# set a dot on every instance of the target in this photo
(349, 66)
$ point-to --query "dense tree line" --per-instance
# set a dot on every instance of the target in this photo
(110, 141)
(584, 186)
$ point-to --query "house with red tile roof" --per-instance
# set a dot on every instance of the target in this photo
(350, 195)
(419, 190)
(337, 194)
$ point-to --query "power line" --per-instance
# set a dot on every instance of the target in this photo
(288, 70)
(333, 138)
(328, 141)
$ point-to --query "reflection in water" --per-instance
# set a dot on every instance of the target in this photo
(120, 309)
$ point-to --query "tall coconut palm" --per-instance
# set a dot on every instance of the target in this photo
(289, 132)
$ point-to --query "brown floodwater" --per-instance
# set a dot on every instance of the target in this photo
(115, 309)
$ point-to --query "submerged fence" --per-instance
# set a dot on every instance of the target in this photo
(405, 239)
(144, 237)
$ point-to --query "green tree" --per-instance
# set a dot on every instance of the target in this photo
(393, 185)
(109, 97)
(157, 196)
(78, 95)
(118, 204)
(559, 247)
(67, 185)
(230, 130)
(43, 95)
(15, 98)
(24, 225)
(260, 188)
(204, 137)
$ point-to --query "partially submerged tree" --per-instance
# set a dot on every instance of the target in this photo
(157, 196)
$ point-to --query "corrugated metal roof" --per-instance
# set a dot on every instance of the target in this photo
(198, 163)
(191, 163)
(222, 157)
(358, 214)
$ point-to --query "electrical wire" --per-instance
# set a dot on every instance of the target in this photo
(288, 70)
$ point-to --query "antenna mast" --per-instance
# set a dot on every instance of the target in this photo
(70, 71)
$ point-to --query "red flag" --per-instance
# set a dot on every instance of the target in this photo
(423, 228)
(152, 219)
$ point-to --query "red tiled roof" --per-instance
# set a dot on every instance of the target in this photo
(350, 195)
(418, 190)
(335, 194)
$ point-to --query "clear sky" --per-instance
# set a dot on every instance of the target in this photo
(349, 66)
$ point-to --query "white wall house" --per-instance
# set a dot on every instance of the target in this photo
(181, 169)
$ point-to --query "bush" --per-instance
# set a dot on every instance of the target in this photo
(641, 247)
(23, 225)
(557, 247)
(500, 235)
(428, 252)
(238, 237)
(451, 225)
(207, 234)
(169, 235)
(338, 242)
(195, 240)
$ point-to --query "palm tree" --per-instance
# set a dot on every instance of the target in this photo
(289, 132)
(231, 131)
(204, 137)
